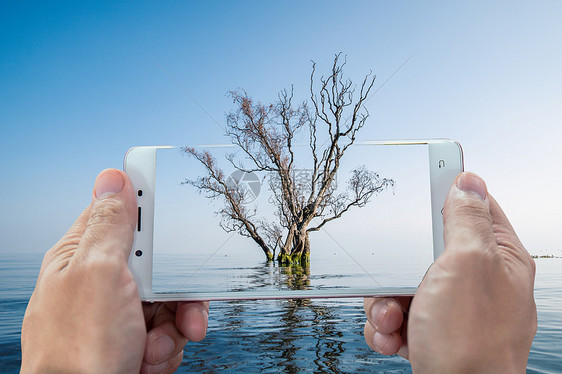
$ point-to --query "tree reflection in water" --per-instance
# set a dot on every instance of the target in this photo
(294, 335)
(273, 276)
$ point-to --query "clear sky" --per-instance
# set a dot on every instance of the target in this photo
(81, 82)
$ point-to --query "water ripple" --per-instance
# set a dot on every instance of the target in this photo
(284, 335)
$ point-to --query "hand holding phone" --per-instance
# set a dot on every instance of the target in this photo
(85, 294)
(486, 272)
(184, 250)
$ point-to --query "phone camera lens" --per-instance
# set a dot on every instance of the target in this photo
(139, 192)
(138, 253)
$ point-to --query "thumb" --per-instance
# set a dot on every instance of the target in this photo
(112, 220)
(466, 216)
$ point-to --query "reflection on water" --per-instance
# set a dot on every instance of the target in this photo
(283, 335)
(270, 276)
(287, 336)
(199, 273)
(297, 277)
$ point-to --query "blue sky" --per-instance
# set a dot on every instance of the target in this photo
(80, 83)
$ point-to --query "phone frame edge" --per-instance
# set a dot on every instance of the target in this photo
(144, 178)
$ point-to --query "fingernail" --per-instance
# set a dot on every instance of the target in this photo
(470, 182)
(109, 181)
(163, 346)
(378, 313)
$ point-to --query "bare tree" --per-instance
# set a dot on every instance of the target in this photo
(265, 135)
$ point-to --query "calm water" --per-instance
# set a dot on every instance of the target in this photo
(333, 272)
(284, 335)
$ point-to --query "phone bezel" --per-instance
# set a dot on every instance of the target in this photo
(445, 163)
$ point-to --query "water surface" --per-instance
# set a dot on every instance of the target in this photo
(283, 335)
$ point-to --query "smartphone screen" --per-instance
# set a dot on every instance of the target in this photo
(385, 244)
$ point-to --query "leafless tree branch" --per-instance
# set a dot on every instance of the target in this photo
(265, 136)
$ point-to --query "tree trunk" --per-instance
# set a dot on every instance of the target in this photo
(301, 250)
(296, 249)
(305, 257)
(264, 247)
(284, 256)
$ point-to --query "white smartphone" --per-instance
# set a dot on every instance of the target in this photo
(185, 247)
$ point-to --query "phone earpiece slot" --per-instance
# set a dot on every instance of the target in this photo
(139, 220)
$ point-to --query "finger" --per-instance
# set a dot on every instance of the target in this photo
(163, 343)
(385, 314)
(59, 255)
(164, 340)
(507, 239)
(386, 344)
(403, 351)
(192, 319)
(112, 220)
(466, 216)
(165, 367)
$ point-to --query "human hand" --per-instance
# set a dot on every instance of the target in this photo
(474, 311)
(85, 314)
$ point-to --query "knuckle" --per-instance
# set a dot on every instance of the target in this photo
(510, 243)
(66, 246)
(533, 266)
(472, 237)
(100, 267)
(107, 211)
(467, 210)
(58, 257)
(98, 276)
(475, 254)
(471, 257)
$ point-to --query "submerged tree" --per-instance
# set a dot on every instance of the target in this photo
(266, 136)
